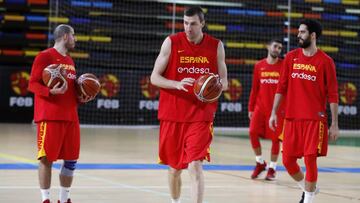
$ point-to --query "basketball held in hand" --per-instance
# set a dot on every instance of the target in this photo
(53, 74)
(208, 88)
(88, 85)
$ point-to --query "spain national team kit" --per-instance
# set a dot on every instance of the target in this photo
(313, 83)
(265, 79)
(182, 116)
(56, 116)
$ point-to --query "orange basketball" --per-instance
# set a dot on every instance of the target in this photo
(88, 85)
(208, 88)
(53, 74)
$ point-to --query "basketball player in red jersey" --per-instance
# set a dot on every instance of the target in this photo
(308, 79)
(265, 79)
(56, 116)
(185, 122)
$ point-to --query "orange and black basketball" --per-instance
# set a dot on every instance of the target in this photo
(208, 88)
(52, 75)
(88, 85)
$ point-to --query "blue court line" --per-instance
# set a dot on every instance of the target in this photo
(207, 167)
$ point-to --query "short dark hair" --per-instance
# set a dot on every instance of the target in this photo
(313, 26)
(61, 30)
(195, 10)
(277, 40)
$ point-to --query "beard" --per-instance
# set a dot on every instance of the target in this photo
(305, 42)
(274, 55)
(70, 46)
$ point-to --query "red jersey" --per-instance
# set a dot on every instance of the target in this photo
(188, 60)
(53, 107)
(265, 79)
(309, 83)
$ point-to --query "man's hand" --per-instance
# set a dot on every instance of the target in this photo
(334, 132)
(59, 90)
(186, 81)
(250, 115)
(84, 99)
(273, 121)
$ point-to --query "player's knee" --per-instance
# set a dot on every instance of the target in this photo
(174, 172)
(290, 164)
(68, 168)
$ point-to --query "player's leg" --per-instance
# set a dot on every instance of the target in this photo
(311, 177)
(293, 168)
(70, 153)
(275, 148)
(174, 178)
(197, 181)
(48, 150)
(45, 178)
(257, 128)
(66, 177)
(198, 137)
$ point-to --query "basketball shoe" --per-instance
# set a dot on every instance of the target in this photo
(270, 174)
(259, 168)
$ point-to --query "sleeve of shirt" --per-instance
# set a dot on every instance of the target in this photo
(254, 90)
(36, 84)
(284, 76)
(331, 83)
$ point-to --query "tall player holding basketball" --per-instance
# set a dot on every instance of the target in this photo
(185, 122)
(308, 79)
(55, 113)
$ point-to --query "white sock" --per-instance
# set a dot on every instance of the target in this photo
(309, 197)
(175, 200)
(273, 165)
(64, 194)
(45, 194)
(259, 159)
(301, 184)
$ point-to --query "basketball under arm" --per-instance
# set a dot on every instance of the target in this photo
(222, 66)
(160, 66)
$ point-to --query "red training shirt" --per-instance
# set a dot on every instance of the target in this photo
(309, 83)
(188, 60)
(265, 79)
(61, 107)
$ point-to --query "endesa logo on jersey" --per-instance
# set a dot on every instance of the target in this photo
(150, 92)
(232, 95)
(19, 82)
(308, 69)
(110, 87)
(193, 70)
(347, 95)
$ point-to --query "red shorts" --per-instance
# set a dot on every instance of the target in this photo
(183, 142)
(58, 140)
(305, 137)
(259, 125)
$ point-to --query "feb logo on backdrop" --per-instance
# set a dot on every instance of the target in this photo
(347, 96)
(150, 92)
(110, 87)
(19, 82)
(232, 96)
